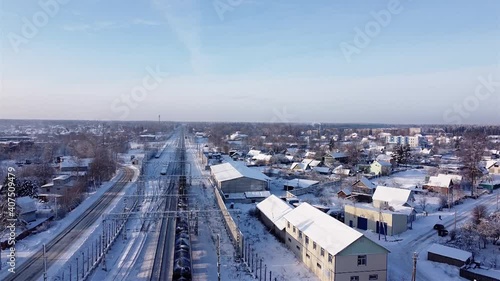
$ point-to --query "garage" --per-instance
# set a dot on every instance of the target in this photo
(362, 223)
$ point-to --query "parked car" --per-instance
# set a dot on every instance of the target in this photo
(438, 226)
(442, 232)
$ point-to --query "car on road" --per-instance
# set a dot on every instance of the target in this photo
(438, 226)
(442, 232)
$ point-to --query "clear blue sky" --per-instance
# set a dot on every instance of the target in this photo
(251, 60)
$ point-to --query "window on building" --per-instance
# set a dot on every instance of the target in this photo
(362, 260)
(288, 224)
(307, 239)
(318, 265)
(322, 252)
(330, 258)
(307, 256)
(298, 248)
(354, 278)
(294, 229)
(300, 234)
(314, 245)
(373, 277)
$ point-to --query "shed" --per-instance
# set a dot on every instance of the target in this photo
(448, 255)
(28, 208)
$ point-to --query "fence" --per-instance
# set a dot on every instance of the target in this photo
(471, 275)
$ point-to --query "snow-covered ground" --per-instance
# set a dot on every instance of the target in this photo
(26, 247)
(278, 258)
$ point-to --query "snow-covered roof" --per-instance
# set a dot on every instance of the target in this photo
(394, 196)
(311, 162)
(384, 163)
(327, 232)
(253, 152)
(27, 204)
(366, 182)
(337, 155)
(230, 171)
(72, 162)
(491, 163)
(257, 194)
(299, 166)
(300, 183)
(274, 209)
(449, 252)
(324, 170)
(263, 157)
(443, 180)
(345, 191)
(62, 177)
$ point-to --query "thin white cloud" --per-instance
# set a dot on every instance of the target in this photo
(107, 25)
(146, 22)
(183, 18)
(77, 27)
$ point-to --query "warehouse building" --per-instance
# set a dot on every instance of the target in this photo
(233, 177)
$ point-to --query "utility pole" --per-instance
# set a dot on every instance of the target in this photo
(44, 264)
(497, 201)
(414, 273)
(218, 257)
(455, 223)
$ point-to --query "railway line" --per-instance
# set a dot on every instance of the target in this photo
(173, 254)
(33, 268)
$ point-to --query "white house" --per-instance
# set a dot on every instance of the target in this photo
(332, 250)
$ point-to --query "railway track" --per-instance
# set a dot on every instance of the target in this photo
(33, 268)
(165, 261)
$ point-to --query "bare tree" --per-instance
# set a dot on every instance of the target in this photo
(471, 150)
(423, 202)
(479, 212)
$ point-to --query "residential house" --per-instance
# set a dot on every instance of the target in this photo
(364, 186)
(381, 168)
(322, 170)
(70, 164)
(444, 184)
(493, 167)
(332, 250)
(305, 165)
(344, 193)
(333, 157)
(271, 212)
(58, 185)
